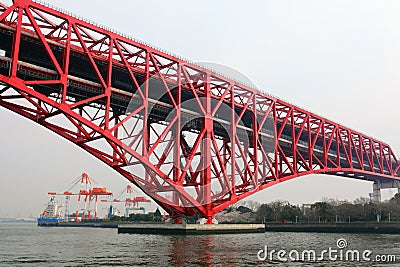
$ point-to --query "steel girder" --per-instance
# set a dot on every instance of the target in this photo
(192, 139)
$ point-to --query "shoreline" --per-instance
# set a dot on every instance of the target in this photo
(356, 227)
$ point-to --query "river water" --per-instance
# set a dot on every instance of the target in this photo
(29, 245)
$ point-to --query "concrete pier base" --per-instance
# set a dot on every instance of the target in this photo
(190, 229)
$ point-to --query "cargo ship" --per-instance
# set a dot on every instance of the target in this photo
(51, 216)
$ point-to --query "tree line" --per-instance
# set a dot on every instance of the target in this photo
(328, 211)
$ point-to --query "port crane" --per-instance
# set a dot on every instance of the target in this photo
(131, 203)
(87, 193)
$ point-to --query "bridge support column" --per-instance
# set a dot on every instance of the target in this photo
(377, 186)
(376, 193)
(208, 220)
(177, 220)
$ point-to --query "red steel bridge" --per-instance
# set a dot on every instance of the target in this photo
(192, 139)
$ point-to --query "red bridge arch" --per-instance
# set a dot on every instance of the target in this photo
(194, 140)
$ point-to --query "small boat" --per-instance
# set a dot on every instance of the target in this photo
(52, 215)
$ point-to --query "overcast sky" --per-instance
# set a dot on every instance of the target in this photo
(339, 59)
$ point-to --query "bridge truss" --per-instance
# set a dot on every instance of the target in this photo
(192, 139)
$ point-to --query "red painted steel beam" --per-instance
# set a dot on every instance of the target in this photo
(193, 140)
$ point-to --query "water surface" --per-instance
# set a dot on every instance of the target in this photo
(29, 245)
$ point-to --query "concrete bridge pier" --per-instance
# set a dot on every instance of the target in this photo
(377, 186)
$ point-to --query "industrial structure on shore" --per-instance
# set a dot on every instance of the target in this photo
(90, 196)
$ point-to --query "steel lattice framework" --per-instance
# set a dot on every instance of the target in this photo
(192, 139)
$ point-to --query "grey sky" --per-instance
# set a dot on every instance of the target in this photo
(339, 59)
